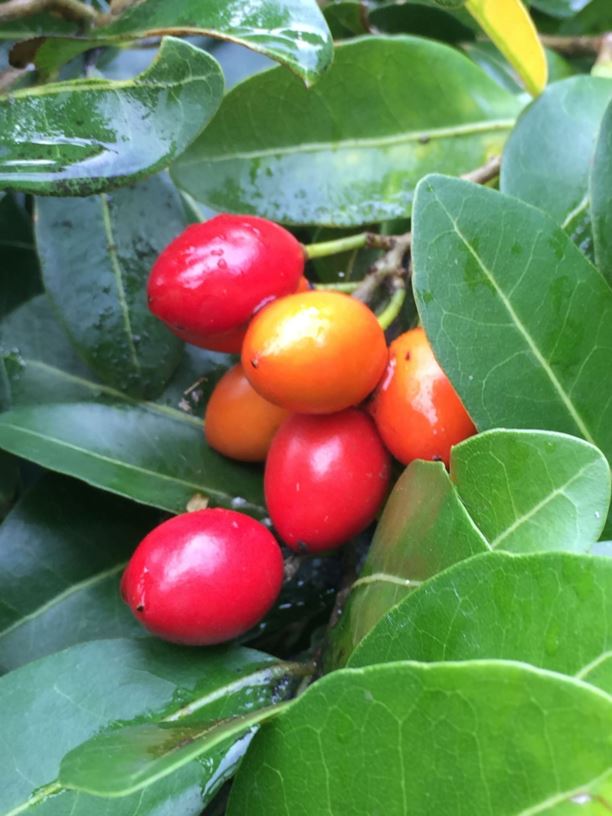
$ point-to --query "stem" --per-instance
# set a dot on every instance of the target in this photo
(488, 171)
(362, 239)
(390, 264)
(393, 308)
(71, 9)
(573, 46)
(346, 286)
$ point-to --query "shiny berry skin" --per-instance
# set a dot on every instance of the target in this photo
(214, 276)
(203, 577)
(325, 479)
(238, 422)
(314, 352)
(417, 411)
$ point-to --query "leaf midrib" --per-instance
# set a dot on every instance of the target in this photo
(115, 462)
(365, 142)
(522, 329)
(86, 583)
(558, 491)
(153, 407)
(118, 276)
(279, 668)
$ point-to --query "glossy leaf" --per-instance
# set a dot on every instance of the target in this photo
(63, 548)
(19, 267)
(289, 31)
(552, 173)
(484, 737)
(96, 256)
(302, 157)
(424, 529)
(519, 491)
(552, 610)
(73, 695)
(423, 20)
(346, 18)
(153, 452)
(37, 25)
(128, 760)
(490, 60)
(529, 491)
(87, 135)
(601, 196)
(519, 319)
(508, 24)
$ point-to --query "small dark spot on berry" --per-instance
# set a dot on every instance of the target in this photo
(254, 363)
(407, 356)
(140, 608)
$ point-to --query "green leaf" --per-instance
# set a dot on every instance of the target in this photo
(599, 673)
(63, 548)
(481, 738)
(530, 491)
(497, 66)
(292, 32)
(19, 267)
(87, 135)
(345, 18)
(37, 25)
(519, 491)
(123, 762)
(552, 610)
(424, 528)
(560, 8)
(152, 452)
(9, 481)
(71, 696)
(549, 154)
(102, 302)
(518, 318)
(299, 156)
(423, 19)
(601, 196)
(595, 18)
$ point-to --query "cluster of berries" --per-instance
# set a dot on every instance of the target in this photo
(309, 361)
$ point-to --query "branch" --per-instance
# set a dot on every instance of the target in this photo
(488, 171)
(389, 265)
(392, 264)
(574, 46)
(71, 9)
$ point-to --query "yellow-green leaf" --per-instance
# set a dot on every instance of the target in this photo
(510, 27)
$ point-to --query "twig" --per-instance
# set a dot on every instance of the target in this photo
(390, 264)
(488, 171)
(574, 46)
(71, 9)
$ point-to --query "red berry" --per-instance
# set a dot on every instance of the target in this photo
(326, 478)
(204, 577)
(214, 276)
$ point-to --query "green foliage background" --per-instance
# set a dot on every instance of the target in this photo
(470, 671)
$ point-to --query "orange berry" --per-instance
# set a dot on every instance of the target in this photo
(238, 422)
(303, 285)
(416, 409)
(314, 352)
